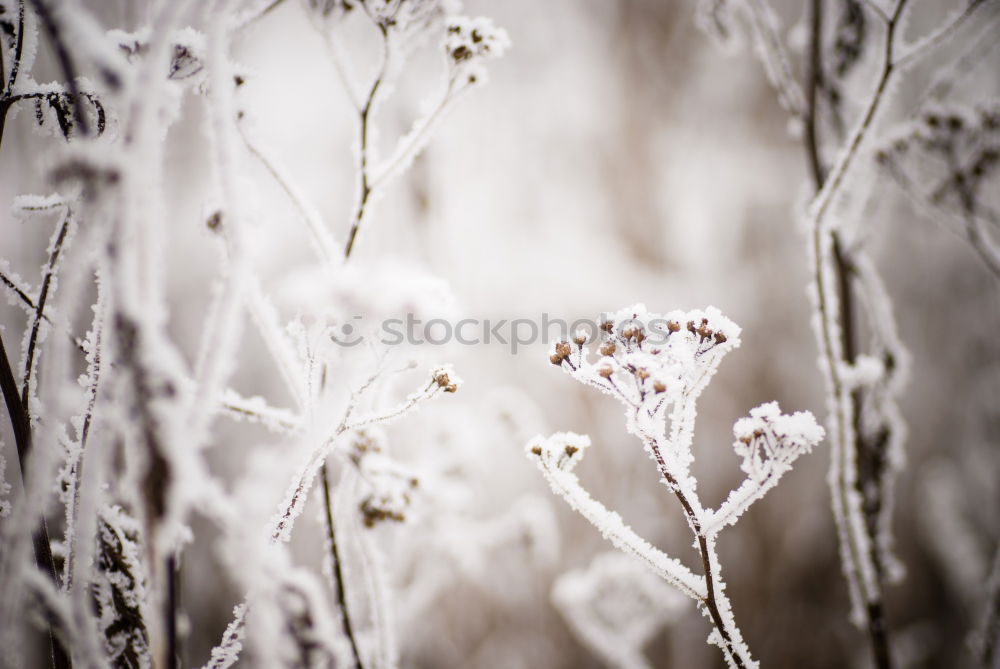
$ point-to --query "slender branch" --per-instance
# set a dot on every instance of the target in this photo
(47, 276)
(710, 600)
(337, 568)
(925, 45)
(815, 74)
(170, 610)
(314, 222)
(877, 10)
(54, 32)
(254, 17)
(94, 379)
(18, 49)
(832, 288)
(364, 115)
(5, 98)
(40, 537)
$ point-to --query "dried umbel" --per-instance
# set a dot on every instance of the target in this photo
(657, 366)
(469, 41)
(946, 156)
(649, 361)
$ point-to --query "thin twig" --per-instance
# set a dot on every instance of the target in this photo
(710, 601)
(832, 289)
(364, 116)
(40, 537)
(925, 45)
(5, 98)
(48, 275)
(337, 568)
(54, 32)
(170, 611)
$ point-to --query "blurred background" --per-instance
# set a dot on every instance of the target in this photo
(615, 156)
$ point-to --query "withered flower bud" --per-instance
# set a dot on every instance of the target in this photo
(444, 382)
(570, 450)
(608, 349)
(537, 450)
(563, 349)
(605, 372)
(720, 338)
(673, 326)
(607, 326)
(642, 374)
(579, 340)
(659, 387)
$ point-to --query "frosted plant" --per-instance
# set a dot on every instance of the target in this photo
(947, 161)
(615, 606)
(657, 366)
(953, 151)
(123, 451)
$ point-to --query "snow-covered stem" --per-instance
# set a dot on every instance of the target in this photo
(410, 145)
(566, 484)
(223, 330)
(40, 536)
(443, 380)
(337, 569)
(323, 242)
(49, 273)
(927, 44)
(834, 334)
(8, 82)
(93, 380)
(50, 22)
(364, 125)
(657, 366)
(706, 549)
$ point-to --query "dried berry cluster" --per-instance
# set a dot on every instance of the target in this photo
(468, 41)
(647, 359)
(769, 441)
(391, 485)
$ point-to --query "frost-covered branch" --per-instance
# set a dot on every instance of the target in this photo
(657, 366)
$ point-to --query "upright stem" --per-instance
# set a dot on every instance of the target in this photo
(832, 276)
(54, 32)
(40, 537)
(172, 660)
(7, 97)
(711, 598)
(337, 568)
(365, 119)
(48, 276)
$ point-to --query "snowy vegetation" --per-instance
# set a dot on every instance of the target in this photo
(210, 457)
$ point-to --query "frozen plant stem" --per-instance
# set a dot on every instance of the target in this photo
(337, 569)
(706, 557)
(170, 611)
(53, 30)
(7, 96)
(40, 537)
(834, 301)
(364, 119)
(657, 366)
(49, 273)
